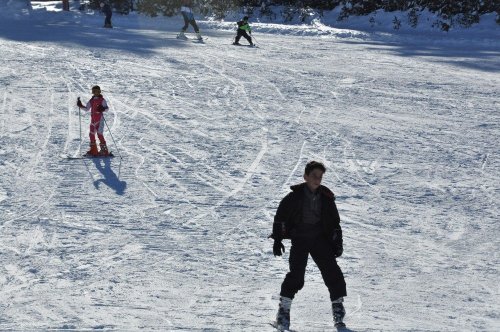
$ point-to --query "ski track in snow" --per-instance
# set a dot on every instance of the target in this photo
(174, 235)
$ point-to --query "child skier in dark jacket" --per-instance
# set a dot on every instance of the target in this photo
(243, 27)
(309, 217)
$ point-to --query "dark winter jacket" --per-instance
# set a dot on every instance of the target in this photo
(289, 215)
(106, 9)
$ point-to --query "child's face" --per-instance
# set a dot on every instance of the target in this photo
(313, 180)
(96, 92)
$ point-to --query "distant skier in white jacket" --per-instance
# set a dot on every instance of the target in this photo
(187, 14)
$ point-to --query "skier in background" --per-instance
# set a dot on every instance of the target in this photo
(187, 14)
(309, 217)
(96, 105)
(106, 9)
(243, 27)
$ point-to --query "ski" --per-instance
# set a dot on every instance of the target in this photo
(72, 157)
(194, 40)
(275, 325)
(250, 46)
(110, 155)
(341, 327)
(87, 156)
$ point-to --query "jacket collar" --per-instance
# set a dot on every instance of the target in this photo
(298, 188)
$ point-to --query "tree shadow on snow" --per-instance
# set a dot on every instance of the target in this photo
(110, 179)
(482, 55)
(89, 35)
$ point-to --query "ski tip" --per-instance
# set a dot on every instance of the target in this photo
(71, 157)
(244, 45)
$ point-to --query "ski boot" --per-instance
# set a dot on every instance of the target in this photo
(182, 36)
(338, 312)
(198, 36)
(104, 150)
(283, 316)
(93, 150)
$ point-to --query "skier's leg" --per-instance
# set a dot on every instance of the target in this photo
(238, 36)
(186, 21)
(196, 29)
(247, 37)
(107, 21)
(102, 142)
(181, 34)
(338, 311)
(283, 316)
(324, 257)
(92, 131)
(93, 146)
(294, 280)
(194, 25)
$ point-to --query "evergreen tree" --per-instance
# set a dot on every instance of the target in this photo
(119, 6)
(157, 7)
(463, 12)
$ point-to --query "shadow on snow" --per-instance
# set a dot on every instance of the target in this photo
(482, 56)
(89, 35)
(110, 179)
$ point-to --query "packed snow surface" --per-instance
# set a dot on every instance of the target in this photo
(172, 233)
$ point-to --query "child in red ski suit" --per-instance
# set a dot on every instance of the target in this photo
(96, 105)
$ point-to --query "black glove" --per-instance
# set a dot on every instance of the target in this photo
(337, 243)
(100, 108)
(278, 248)
(79, 103)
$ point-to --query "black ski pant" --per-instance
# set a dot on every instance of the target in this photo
(323, 255)
(189, 19)
(107, 20)
(242, 33)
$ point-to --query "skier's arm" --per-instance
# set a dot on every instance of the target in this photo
(337, 240)
(280, 219)
(279, 229)
(103, 107)
(80, 105)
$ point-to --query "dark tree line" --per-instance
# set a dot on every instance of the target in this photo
(464, 12)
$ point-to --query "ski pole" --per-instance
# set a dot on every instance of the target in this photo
(80, 119)
(114, 142)
(253, 37)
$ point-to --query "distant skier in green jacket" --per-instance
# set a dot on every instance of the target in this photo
(243, 27)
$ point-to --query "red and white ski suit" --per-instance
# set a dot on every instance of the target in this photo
(96, 118)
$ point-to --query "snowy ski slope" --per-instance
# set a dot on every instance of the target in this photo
(173, 236)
